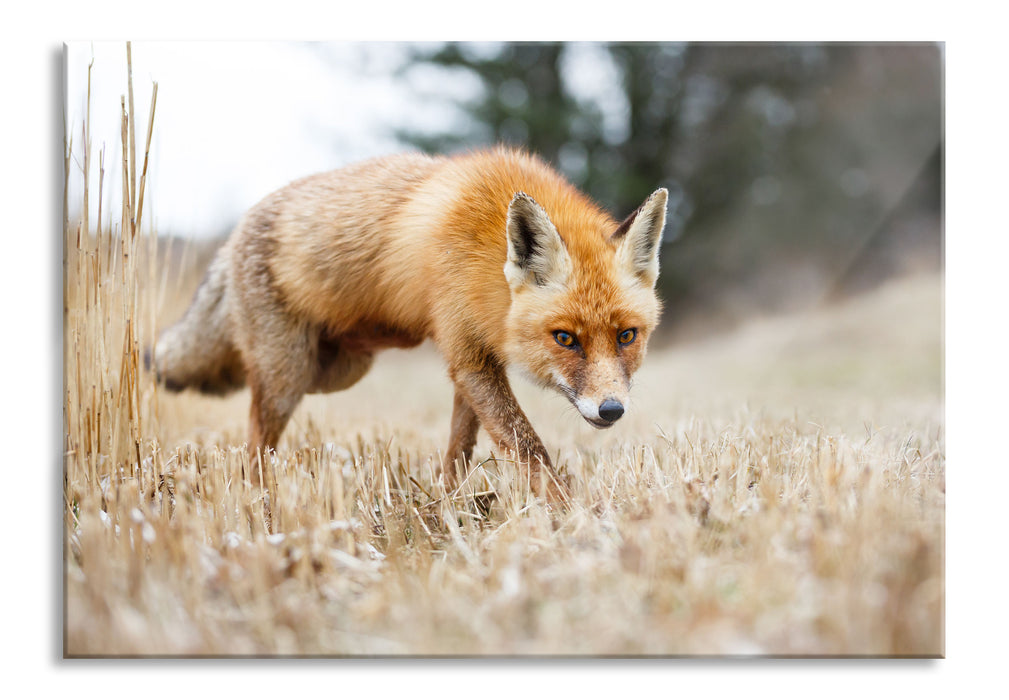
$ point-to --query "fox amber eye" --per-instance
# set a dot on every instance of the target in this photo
(628, 336)
(564, 338)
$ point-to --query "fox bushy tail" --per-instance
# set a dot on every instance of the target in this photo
(199, 350)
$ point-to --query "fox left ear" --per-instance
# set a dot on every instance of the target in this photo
(637, 238)
(536, 254)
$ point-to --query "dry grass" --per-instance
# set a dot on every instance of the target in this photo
(776, 491)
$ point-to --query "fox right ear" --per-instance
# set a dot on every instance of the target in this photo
(536, 253)
(638, 237)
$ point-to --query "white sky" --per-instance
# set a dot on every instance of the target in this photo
(236, 120)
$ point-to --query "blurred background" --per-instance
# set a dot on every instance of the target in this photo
(799, 173)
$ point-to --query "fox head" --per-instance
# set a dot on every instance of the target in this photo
(583, 302)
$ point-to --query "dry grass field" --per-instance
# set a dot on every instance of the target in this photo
(779, 490)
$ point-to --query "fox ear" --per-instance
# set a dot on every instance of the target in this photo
(536, 253)
(637, 238)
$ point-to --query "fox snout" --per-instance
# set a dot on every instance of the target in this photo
(610, 410)
(602, 415)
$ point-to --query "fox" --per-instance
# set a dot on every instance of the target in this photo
(491, 254)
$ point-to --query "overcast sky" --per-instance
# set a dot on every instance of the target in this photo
(236, 120)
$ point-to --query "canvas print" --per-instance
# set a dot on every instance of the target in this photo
(503, 349)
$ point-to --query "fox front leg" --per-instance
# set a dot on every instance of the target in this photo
(465, 425)
(487, 391)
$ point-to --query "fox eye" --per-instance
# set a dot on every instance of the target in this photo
(627, 337)
(564, 338)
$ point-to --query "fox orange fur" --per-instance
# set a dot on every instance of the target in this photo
(491, 254)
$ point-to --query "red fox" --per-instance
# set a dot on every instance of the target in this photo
(491, 254)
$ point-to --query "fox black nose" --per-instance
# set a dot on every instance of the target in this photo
(610, 410)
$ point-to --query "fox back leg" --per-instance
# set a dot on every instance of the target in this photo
(279, 351)
(290, 360)
(284, 356)
(280, 371)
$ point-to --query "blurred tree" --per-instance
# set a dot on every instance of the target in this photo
(686, 121)
(522, 100)
(525, 101)
(813, 165)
